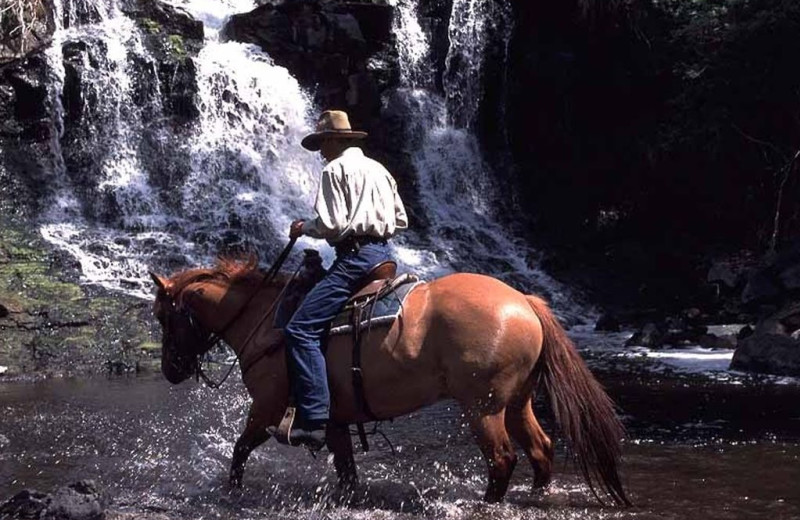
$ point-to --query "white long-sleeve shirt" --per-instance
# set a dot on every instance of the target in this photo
(357, 196)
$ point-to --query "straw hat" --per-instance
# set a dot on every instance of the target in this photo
(332, 123)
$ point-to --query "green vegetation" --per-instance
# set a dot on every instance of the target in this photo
(51, 325)
(176, 46)
(150, 25)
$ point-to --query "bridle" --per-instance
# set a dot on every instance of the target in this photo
(185, 317)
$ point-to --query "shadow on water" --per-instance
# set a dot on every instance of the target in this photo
(696, 449)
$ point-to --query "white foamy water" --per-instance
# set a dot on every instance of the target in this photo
(247, 177)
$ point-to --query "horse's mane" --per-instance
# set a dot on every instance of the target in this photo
(228, 270)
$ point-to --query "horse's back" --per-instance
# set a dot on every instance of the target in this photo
(458, 336)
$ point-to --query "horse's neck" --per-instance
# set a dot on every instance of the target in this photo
(249, 317)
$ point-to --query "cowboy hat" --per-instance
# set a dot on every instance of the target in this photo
(331, 124)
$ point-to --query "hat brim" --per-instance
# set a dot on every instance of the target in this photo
(313, 141)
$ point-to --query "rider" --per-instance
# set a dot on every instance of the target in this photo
(358, 210)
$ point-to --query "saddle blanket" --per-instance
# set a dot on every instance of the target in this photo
(383, 313)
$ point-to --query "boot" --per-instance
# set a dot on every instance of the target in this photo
(310, 434)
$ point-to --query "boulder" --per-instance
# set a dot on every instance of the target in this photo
(768, 353)
(78, 501)
(713, 341)
(650, 336)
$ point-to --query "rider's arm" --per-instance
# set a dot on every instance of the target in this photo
(331, 206)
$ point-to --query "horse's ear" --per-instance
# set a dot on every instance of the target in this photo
(160, 282)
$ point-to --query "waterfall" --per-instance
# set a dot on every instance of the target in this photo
(468, 230)
(134, 193)
(237, 177)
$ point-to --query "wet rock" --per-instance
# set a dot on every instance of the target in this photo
(344, 51)
(650, 336)
(773, 347)
(608, 323)
(172, 36)
(79, 501)
(746, 332)
(39, 26)
(717, 342)
(768, 353)
(26, 165)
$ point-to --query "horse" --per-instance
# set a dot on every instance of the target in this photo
(463, 336)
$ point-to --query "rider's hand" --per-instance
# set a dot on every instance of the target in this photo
(296, 229)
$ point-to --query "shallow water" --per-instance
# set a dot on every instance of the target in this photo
(697, 448)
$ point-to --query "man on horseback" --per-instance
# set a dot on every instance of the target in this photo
(358, 209)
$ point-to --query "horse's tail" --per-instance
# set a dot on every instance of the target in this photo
(582, 409)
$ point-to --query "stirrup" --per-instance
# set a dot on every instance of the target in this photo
(284, 429)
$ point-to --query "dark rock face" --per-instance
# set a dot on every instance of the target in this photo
(79, 501)
(343, 51)
(25, 132)
(19, 37)
(173, 37)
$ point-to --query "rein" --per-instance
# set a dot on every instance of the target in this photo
(215, 338)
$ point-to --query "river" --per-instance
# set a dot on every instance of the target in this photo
(700, 445)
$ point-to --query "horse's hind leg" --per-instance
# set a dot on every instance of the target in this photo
(254, 435)
(526, 431)
(498, 451)
(340, 444)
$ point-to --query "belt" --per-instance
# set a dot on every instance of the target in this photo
(353, 244)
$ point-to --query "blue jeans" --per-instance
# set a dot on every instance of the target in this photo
(307, 372)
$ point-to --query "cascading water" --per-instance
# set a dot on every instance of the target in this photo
(246, 177)
(237, 177)
(457, 187)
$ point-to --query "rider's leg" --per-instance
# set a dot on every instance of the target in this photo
(304, 332)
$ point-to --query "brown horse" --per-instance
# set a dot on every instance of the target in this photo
(464, 336)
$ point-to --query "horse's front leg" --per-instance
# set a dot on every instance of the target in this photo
(254, 435)
(340, 444)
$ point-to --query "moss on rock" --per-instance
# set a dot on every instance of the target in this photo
(55, 326)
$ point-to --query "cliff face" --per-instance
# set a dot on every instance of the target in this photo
(648, 138)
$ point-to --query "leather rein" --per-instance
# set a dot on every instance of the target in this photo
(215, 338)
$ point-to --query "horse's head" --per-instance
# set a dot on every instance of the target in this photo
(195, 304)
(183, 337)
